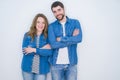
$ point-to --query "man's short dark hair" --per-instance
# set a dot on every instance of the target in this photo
(57, 3)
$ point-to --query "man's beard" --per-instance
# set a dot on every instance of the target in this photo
(61, 18)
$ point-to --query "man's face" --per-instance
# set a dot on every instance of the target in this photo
(58, 12)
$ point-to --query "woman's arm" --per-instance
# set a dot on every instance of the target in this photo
(44, 51)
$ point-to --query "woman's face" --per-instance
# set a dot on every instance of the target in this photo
(40, 24)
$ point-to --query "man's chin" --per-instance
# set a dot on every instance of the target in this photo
(59, 19)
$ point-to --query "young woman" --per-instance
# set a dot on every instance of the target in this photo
(36, 50)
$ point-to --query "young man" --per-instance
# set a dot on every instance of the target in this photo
(64, 34)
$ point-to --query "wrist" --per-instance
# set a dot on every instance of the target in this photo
(34, 50)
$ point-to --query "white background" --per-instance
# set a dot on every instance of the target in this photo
(99, 53)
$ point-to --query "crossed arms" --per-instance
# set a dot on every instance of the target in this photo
(61, 42)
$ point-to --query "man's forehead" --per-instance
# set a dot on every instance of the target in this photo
(56, 8)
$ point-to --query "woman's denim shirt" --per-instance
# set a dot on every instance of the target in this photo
(44, 54)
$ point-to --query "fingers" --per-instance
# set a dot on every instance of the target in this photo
(27, 50)
(58, 38)
(47, 46)
(76, 32)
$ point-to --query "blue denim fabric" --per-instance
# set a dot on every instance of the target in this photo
(69, 41)
(64, 72)
(33, 76)
(44, 54)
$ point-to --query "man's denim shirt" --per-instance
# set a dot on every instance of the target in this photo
(69, 41)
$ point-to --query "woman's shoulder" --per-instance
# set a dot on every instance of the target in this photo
(27, 35)
(43, 37)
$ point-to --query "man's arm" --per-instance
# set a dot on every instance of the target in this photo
(76, 37)
(52, 39)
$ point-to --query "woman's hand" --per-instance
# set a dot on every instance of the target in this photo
(29, 50)
(47, 46)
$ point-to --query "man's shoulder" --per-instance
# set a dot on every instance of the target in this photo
(73, 20)
(54, 22)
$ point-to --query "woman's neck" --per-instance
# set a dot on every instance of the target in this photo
(39, 33)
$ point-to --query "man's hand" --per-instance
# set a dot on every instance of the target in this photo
(58, 39)
(76, 32)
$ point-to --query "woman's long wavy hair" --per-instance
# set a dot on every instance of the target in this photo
(33, 31)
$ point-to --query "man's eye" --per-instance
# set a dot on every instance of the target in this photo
(59, 9)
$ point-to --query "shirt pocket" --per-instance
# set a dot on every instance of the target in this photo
(42, 42)
(58, 32)
(69, 30)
